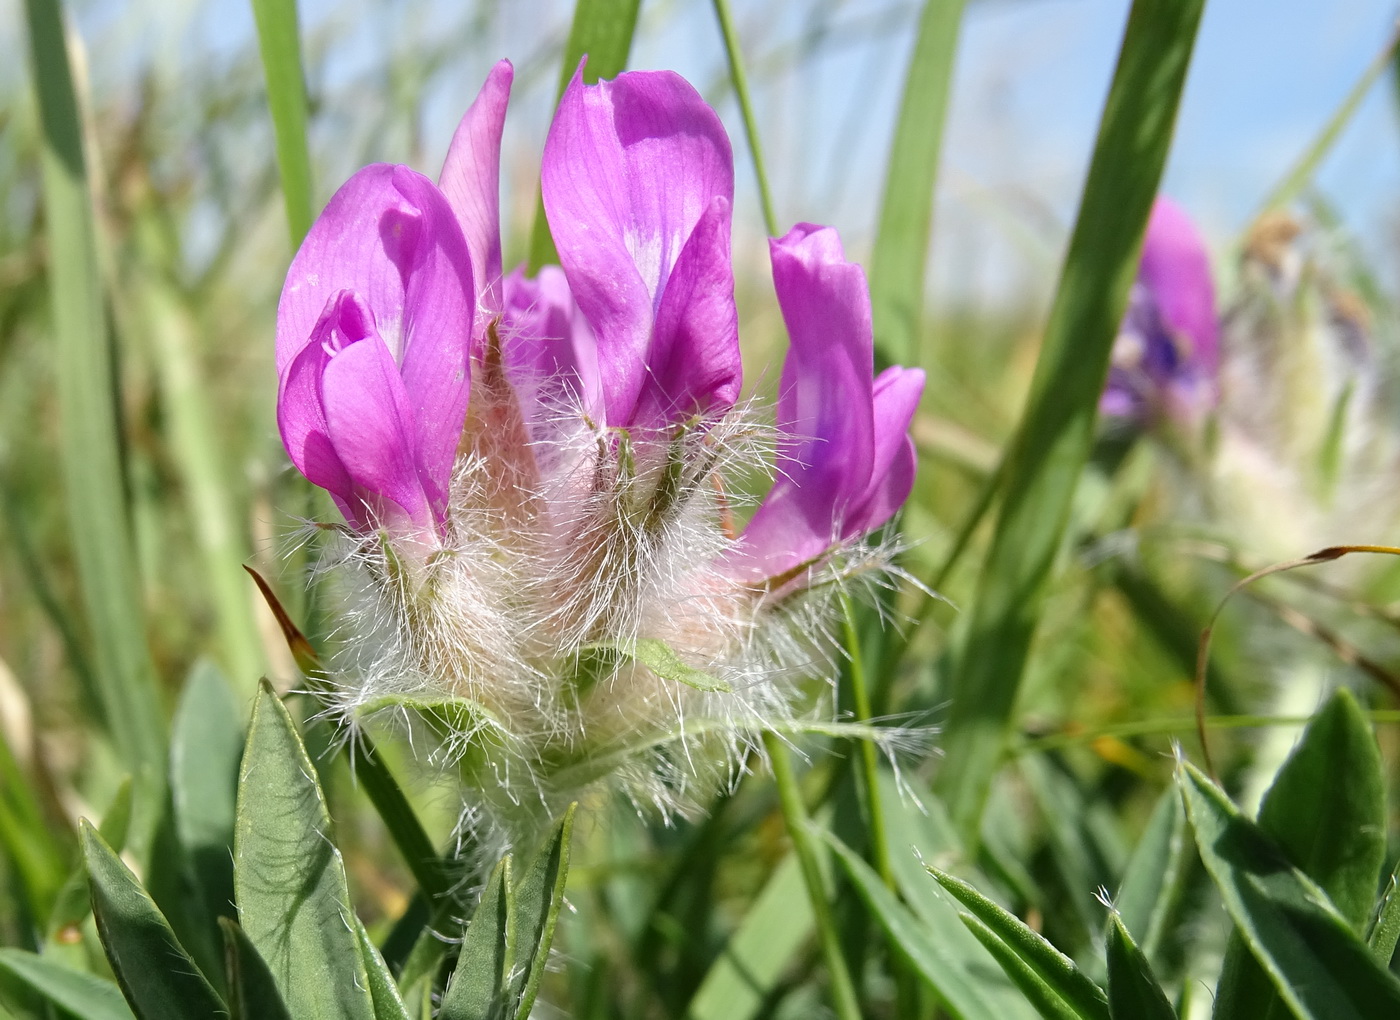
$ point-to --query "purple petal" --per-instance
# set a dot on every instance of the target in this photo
(470, 179)
(389, 237)
(826, 418)
(629, 169)
(369, 421)
(1175, 269)
(896, 398)
(548, 346)
(301, 418)
(694, 360)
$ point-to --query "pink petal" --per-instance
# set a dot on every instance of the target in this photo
(630, 167)
(896, 397)
(548, 345)
(369, 420)
(694, 361)
(470, 179)
(389, 237)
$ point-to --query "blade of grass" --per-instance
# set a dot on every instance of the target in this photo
(1054, 438)
(804, 846)
(90, 425)
(201, 460)
(279, 41)
(602, 31)
(900, 260)
(740, 81)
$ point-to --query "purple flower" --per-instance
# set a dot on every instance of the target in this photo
(638, 181)
(845, 460)
(1167, 355)
(374, 335)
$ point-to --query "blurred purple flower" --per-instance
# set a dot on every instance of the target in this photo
(845, 459)
(1167, 356)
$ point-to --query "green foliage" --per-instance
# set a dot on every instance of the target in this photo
(1054, 437)
(1133, 992)
(1309, 950)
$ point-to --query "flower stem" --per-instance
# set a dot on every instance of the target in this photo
(843, 992)
(869, 764)
(741, 91)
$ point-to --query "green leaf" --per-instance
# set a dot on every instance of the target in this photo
(777, 925)
(1309, 950)
(1326, 812)
(1055, 435)
(919, 830)
(958, 991)
(477, 988)
(90, 424)
(538, 896)
(1038, 992)
(289, 876)
(80, 994)
(279, 41)
(900, 259)
(1051, 968)
(74, 902)
(1326, 807)
(206, 746)
(1133, 992)
(156, 975)
(1155, 878)
(252, 990)
(1385, 928)
(655, 655)
(33, 851)
(388, 1004)
(603, 30)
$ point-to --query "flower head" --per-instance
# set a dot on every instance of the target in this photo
(538, 569)
(1167, 355)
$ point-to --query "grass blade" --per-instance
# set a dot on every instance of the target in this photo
(279, 41)
(603, 30)
(1133, 991)
(80, 994)
(776, 927)
(1054, 438)
(1154, 881)
(958, 990)
(98, 512)
(1038, 992)
(900, 260)
(1050, 967)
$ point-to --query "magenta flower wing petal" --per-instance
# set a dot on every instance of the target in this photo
(630, 167)
(369, 421)
(471, 177)
(694, 362)
(389, 238)
(895, 398)
(301, 417)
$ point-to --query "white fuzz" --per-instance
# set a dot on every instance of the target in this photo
(523, 653)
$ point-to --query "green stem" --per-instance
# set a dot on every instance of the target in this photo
(843, 991)
(869, 764)
(741, 91)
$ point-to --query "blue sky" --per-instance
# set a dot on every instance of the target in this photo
(1030, 79)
